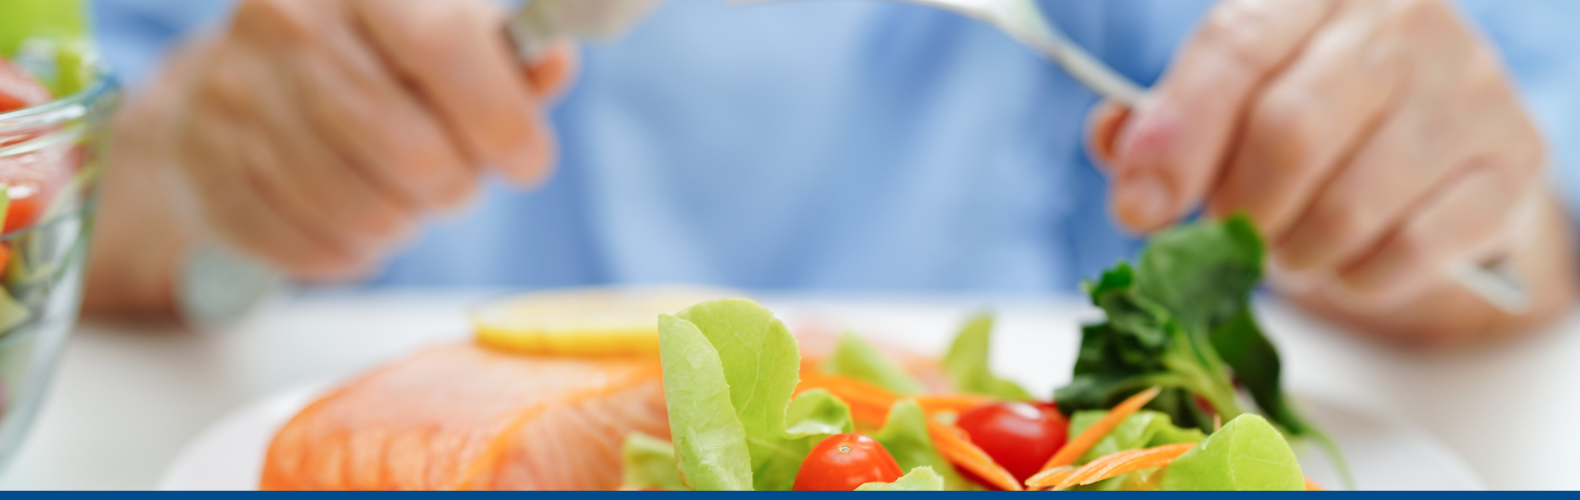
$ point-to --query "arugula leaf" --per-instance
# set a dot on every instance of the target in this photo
(966, 363)
(649, 463)
(905, 436)
(709, 440)
(918, 479)
(855, 358)
(1140, 346)
(735, 369)
(1247, 454)
(1187, 307)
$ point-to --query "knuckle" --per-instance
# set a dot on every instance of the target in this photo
(275, 20)
(385, 223)
(1238, 29)
(437, 38)
(458, 189)
(1285, 129)
(1413, 242)
(226, 87)
(1417, 12)
(420, 160)
(1337, 222)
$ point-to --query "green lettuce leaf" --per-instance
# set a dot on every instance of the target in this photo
(756, 437)
(649, 463)
(818, 413)
(855, 358)
(1247, 454)
(1144, 429)
(905, 436)
(48, 38)
(709, 439)
(966, 363)
(919, 479)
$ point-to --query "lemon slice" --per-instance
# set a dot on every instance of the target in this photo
(587, 321)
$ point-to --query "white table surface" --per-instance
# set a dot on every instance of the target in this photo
(127, 398)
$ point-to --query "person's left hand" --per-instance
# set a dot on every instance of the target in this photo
(1375, 143)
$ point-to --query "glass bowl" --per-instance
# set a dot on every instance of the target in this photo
(51, 160)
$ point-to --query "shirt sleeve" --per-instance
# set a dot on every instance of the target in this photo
(135, 36)
(1538, 39)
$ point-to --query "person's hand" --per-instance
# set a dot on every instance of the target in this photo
(314, 134)
(1375, 143)
(317, 132)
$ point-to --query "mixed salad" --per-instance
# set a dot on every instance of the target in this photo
(1154, 402)
(48, 168)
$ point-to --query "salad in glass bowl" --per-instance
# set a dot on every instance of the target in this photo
(55, 106)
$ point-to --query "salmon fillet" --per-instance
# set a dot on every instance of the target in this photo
(465, 417)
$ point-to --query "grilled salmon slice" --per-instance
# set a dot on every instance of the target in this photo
(465, 417)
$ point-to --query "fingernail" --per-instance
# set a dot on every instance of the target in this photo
(1143, 201)
(1144, 126)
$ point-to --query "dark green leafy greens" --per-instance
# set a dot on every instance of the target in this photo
(1181, 319)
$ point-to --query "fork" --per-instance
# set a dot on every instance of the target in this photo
(1492, 281)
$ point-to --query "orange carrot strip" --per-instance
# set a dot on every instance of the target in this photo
(1124, 462)
(955, 446)
(1050, 477)
(870, 404)
(1073, 450)
(958, 403)
(847, 389)
(851, 389)
(1312, 485)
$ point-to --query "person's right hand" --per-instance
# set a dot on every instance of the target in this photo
(315, 133)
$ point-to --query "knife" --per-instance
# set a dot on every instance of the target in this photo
(540, 23)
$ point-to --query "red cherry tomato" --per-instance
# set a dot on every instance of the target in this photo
(844, 461)
(1019, 436)
(18, 90)
(32, 180)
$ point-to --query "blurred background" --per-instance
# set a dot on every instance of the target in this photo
(372, 152)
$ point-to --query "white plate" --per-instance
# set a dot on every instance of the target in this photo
(1034, 341)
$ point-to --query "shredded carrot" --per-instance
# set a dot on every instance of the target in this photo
(958, 403)
(1312, 485)
(953, 444)
(1124, 462)
(1073, 450)
(847, 389)
(1050, 477)
(870, 404)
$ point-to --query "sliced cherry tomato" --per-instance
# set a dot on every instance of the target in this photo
(1019, 436)
(32, 180)
(18, 90)
(842, 462)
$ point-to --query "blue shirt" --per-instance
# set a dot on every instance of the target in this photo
(837, 145)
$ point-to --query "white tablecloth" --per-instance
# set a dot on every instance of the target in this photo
(127, 398)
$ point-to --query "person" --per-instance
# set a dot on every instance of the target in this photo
(849, 145)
